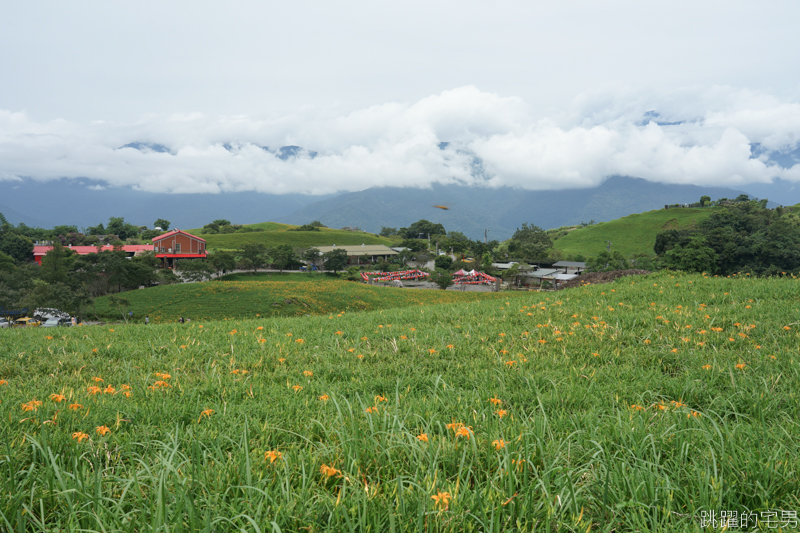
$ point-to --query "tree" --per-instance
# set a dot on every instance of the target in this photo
(221, 261)
(6, 262)
(161, 223)
(607, 261)
(443, 262)
(124, 230)
(335, 260)
(310, 255)
(442, 278)
(529, 243)
(387, 232)
(704, 200)
(414, 245)
(222, 222)
(121, 304)
(56, 263)
(696, 256)
(283, 256)
(423, 227)
(17, 246)
(195, 271)
(95, 230)
(254, 255)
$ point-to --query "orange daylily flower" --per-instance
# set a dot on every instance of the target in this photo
(58, 397)
(499, 444)
(75, 406)
(329, 471)
(272, 455)
(422, 437)
(80, 436)
(102, 430)
(442, 499)
(501, 413)
(32, 405)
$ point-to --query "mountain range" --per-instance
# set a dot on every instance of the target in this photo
(471, 210)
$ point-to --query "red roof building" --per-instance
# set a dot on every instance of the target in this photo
(39, 251)
(177, 244)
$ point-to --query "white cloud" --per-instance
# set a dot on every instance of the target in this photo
(398, 144)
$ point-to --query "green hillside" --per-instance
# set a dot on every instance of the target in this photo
(220, 300)
(275, 234)
(633, 234)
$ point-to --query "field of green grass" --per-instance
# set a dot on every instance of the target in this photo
(223, 300)
(278, 276)
(633, 406)
(633, 234)
(275, 234)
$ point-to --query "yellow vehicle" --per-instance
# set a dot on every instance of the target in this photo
(27, 323)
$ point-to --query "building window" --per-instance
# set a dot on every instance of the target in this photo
(177, 248)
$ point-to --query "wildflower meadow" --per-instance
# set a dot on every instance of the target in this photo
(637, 405)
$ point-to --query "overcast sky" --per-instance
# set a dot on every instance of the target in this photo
(528, 94)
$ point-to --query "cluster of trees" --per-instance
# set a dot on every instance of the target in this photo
(314, 226)
(742, 237)
(70, 282)
(223, 226)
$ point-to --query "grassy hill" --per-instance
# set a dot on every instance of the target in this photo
(633, 234)
(634, 406)
(275, 234)
(218, 300)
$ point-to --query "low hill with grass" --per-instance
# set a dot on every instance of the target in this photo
(221, 300)
(274, 234)
(633, 234)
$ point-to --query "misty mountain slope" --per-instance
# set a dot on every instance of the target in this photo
(84, 203)
(501, 211)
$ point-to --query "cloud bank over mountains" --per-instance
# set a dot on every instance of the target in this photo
(718, 136)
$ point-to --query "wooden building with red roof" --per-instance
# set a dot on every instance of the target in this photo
(177, 244)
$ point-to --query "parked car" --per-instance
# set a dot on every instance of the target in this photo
(53, 322)
(4, 323)
(27, 322)
(43, 313)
